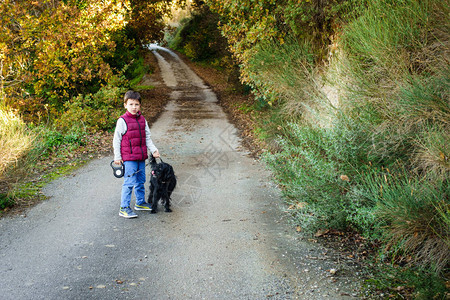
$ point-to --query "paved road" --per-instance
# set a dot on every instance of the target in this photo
(226, 239)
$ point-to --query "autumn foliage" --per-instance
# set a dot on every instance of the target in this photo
(52, 51)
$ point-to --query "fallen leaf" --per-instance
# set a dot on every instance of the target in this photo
(321, 232)
(345, 178)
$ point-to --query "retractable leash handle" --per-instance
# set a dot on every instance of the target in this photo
(118, 170)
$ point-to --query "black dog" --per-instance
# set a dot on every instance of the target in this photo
(162, 184)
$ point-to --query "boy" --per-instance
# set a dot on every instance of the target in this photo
(131, 141)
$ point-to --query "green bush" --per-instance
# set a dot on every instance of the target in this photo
(97, 111)
(51, 140)
(319, 166)
(390, 41)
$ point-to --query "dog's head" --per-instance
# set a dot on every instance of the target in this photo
(162, 171)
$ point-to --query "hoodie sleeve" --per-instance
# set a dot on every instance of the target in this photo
(148, 139)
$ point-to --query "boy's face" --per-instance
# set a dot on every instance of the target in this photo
(132, 106)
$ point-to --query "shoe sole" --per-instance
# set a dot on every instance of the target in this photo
(128, 217)
(138, 208)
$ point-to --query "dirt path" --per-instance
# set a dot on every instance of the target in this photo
(226, 239)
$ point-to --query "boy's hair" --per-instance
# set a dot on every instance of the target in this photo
(132, 95)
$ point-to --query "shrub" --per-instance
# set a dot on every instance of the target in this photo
(51, 140)
(97, 111)
(319, 166)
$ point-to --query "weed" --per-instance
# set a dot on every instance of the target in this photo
(6, 201)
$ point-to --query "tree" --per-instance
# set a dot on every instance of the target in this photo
(51, 51)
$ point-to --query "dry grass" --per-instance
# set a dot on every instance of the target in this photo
(433, 152)
(15, 139)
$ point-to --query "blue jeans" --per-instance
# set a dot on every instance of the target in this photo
(136, 181)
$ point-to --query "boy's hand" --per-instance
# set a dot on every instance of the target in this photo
(155, 154)
(118, 162)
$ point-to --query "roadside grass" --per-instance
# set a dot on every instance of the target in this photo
(283, 73)
(378, 161)
(26, 193)
(52, 154)
(15, 141)
(15, 138)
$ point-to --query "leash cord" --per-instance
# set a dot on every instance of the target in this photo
(145, 166)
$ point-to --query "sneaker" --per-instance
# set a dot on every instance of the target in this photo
(143, 206)
(126, 212)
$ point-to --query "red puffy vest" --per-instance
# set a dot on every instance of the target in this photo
(133, 146)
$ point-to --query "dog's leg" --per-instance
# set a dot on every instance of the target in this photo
(150, 196)
(170, 187)
(154, 209)
(167, 205)
(166, 196)
(156, 197)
